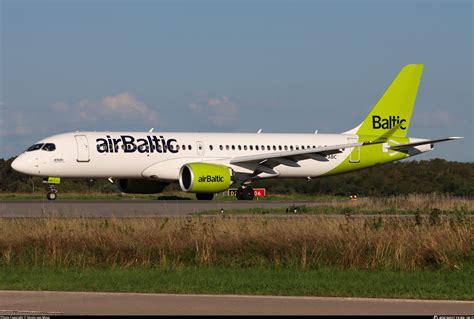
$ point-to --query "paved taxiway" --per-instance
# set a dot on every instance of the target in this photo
(84, 303)
(156, 208)
(131, 208)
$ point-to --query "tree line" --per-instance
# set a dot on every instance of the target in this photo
(422, 177)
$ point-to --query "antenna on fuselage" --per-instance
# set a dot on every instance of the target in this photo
(259, 131)
(316, 132)
(151, 130)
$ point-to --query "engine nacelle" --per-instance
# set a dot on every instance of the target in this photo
(205, 178)
(140, 186)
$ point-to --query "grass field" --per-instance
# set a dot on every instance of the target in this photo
(400, 205)
(430, 256)
(305, 242)
(421, 284)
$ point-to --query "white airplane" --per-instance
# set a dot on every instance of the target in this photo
(207, 163)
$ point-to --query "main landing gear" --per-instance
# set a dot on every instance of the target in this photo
(245, 193)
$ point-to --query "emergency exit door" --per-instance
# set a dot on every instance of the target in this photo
(355, 152)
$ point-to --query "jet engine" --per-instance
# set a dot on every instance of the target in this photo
(205, 178)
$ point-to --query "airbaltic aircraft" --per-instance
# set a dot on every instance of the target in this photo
(207, 163)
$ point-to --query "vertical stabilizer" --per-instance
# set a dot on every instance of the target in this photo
(395, 106)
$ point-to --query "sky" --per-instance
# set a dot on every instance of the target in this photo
(230, 66)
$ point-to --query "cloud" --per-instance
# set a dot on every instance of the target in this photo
(435, 118)
(13, 123)
(123, 106)
(220, 111)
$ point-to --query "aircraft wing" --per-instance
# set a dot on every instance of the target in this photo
(402, 147)
(266, 162)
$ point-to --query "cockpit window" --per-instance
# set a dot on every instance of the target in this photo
(49, 147)
(34, 147)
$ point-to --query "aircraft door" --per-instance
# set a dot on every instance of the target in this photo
(355, 153)
(200, 148)
(82, 148)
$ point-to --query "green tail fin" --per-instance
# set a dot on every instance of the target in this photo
(396, 105)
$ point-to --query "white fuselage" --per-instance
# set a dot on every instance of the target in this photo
(109, 154)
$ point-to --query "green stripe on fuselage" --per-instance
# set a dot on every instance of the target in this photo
(370, 155)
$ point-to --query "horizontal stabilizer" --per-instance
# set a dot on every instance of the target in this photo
(408, 145)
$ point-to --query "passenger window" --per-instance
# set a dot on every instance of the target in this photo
(233, 147)
(286, 147)
(279, 147)
(240, 147)
(221, 147)
(189, 147)
(34, 147)
(256, 147)
(268, 147)
(274, 148)
(210, 147)
(245, 147)
(291, 147)
(251, 147)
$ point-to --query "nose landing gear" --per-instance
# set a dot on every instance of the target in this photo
(52, 191)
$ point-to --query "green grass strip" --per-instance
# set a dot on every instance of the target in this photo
(422, 284)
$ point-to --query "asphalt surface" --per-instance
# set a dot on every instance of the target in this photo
(130, 208)
(96, 303)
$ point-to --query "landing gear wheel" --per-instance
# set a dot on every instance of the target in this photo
(248, 193)
(204, 196)
(51, 195)
(245, 193)
(52, 192)
(239, 193)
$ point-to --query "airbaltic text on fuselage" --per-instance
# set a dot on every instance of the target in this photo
(387, 123)
(129, 144)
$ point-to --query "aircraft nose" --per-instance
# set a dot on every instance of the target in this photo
(20, 164)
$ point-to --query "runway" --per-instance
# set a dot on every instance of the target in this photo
(131, 208)
(101, 303)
